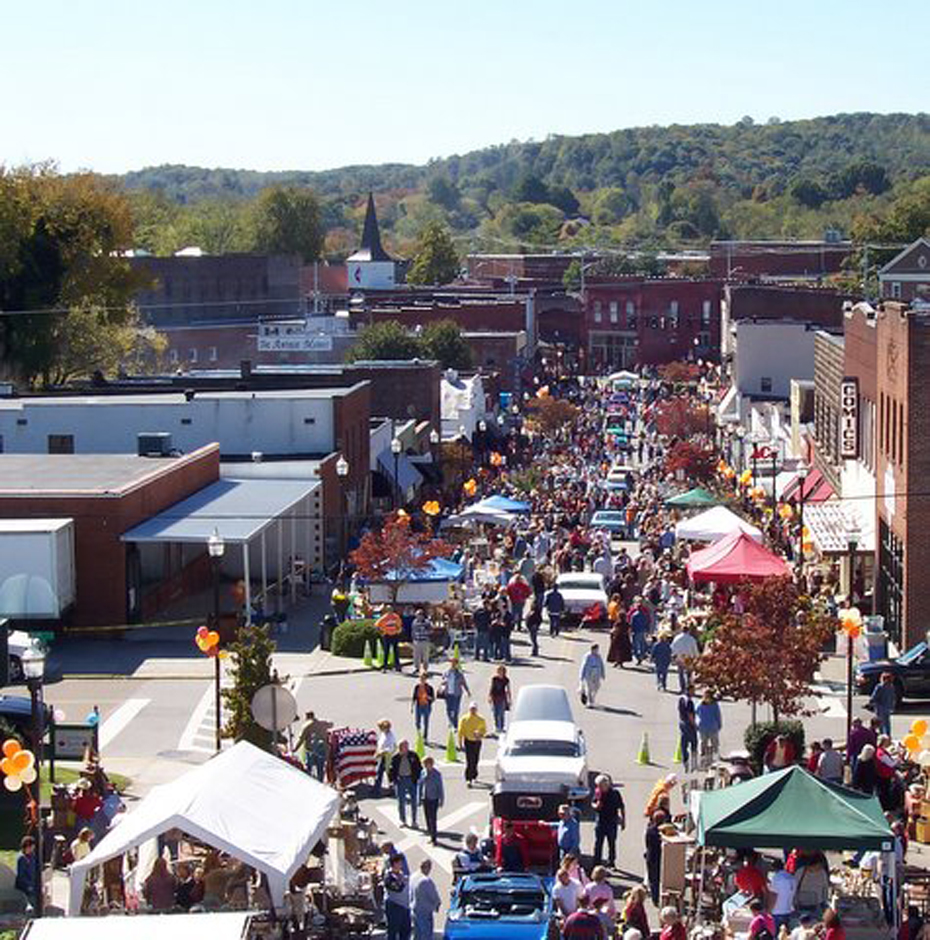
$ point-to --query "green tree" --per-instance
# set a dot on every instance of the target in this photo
(444, 192)
(250, 654)
(611, 206)
(443, 341)
(436, 260)
(386, 340)
(530, 188)
(63, 246)
(809, 193)
(287, 222)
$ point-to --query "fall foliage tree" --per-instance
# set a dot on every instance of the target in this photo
(681, 417)
(549, 415)
(393, 554)
(768, 654)
(679, 372)
(697, 462)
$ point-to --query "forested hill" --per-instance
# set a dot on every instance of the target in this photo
(738, 158)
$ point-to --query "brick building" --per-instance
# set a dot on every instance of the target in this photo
(794, 260)
(645, 321)
(106, 495)
(907, 276)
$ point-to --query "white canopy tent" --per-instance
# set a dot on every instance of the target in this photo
(244, 801)
(213, 926)
(477, 514)
(714, 524)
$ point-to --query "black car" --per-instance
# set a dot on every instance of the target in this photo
(911, 673)
(16, 711)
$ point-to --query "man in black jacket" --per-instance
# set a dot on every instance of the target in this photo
(404, 773)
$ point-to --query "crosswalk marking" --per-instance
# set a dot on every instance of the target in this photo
(440, 854)
(119, 719)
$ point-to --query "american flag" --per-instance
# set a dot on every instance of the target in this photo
(353, 753)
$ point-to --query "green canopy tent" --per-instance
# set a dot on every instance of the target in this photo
(792, 809)
(693, 499)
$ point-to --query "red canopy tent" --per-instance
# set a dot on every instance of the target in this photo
(735, 557)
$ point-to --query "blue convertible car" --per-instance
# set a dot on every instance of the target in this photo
(501, 906)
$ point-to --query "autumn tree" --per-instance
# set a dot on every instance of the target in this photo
(696, 462)
(770, 653)
(395, 553)
(679, 372)
(550, 415)
(287, 222)
(681, 417)
(436, 261)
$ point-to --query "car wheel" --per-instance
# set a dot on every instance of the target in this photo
(16, 669)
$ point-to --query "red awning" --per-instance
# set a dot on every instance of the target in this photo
(823, 492)
(736, 557)
(812, 481)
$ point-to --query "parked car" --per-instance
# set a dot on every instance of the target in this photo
(500, 906)
(543, 750)
(17, 644)
(613, 520)
(582, 590)
(16, 711)
(911, 673)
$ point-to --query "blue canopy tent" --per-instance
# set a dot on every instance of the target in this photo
(428, 586)
(504, 503)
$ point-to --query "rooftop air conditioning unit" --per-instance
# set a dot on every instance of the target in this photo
(156, 444)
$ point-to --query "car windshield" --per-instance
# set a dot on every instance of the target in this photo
(580, 584)
(544, 749)
(542, 703)
(913, 655)
(490, 903)
(608, 516)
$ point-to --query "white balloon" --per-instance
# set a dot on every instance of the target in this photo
(59, 715)
(12, 783)
(925, 742)
(924, 758)
(28, 775)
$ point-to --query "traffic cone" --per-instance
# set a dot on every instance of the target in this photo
(643, 756)
(391, 661)
(378, 661)
(451, 754)
(419, 748)
(455, 652)
(677, 758)
(366, 658)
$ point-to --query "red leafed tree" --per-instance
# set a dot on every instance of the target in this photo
(548, 414)
(679, 373)
(395, 553)
(697, 462)
(680, 417)
(768, 654)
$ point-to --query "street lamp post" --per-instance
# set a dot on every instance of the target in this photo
(396, 448)
(802, 476)
(33, 663)
(342, 471)
(852, 543)
(437, 456)
(216, 547)
(483, 448)
(741, 436)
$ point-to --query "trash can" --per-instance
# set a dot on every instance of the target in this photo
(877, 646)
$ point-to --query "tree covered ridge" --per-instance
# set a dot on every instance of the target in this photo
(738, 158)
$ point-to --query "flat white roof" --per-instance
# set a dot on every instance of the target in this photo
(168, 398)
(214, 926)
(33, 525)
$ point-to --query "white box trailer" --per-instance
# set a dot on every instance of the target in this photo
(36, 568)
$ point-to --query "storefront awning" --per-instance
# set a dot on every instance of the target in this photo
(829, 524)
(816, 488)
(238, 510)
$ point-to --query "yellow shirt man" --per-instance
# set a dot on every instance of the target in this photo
(472, 727)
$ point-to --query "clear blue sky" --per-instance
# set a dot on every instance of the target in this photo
(302, 84)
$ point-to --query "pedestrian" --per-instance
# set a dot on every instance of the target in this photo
(662, 659)
(672, 927)
(709, 726)
(454, 685)
(583, 924)
(471, 732)
(390, 626)
(620, 650)
(404, 773)
(420, 631)
(568, 831)
(397, 899)
(685, 649)
(782, 889)
(421, 702)
(779, 753)
(865, 776)
(638, 619)
(859, 736)
(590, 676)
(610, 817)
(499, 698)
(830, 764)
(600, 890)
(518, 592)
(432, 795)
(384, 751)
(565, 893)
(555, 607)
(496, 633)
(883, 700)
(481, 620)
(833, 926)
(27, 875)
(313, 739)
(761, 924)
(634, 911)
(510, 852)
(533, 623)
(425, 901)
(653, 840)
(687, 728)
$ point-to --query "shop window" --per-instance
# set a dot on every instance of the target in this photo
(765, 384)
(61, 443)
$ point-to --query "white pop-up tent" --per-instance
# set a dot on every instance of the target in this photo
(244, 801)
(714, 524)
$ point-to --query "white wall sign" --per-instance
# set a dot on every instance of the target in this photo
(889, 493)
(291, 338)
(849, 418)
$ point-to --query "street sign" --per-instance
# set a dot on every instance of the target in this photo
(71, 741)
(273, 707)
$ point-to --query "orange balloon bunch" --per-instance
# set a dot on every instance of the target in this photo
(496, 459)
(851, 622)
(431, 508)
(470, 487)
(208, 641)
(18, 765)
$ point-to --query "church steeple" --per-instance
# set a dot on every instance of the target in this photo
(371, 248)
